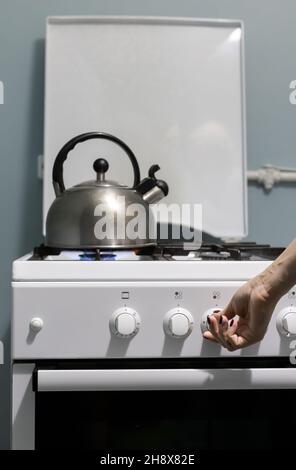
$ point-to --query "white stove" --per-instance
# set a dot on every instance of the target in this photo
(125, 304)
(120, 322)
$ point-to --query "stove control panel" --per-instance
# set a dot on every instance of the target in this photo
(178, 323)
(94, 320)
(125, 323)
(286, 322)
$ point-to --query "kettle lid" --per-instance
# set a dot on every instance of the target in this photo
(101, 167)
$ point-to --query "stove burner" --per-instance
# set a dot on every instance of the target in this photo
(93, 256)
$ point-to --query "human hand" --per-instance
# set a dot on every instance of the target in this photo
(245, 320)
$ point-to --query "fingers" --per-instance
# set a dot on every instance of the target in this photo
(224, 331)
(218, 326)
(208, 335)
(236, 341)
(228, 312)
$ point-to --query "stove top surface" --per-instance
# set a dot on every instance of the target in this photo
(247, 251)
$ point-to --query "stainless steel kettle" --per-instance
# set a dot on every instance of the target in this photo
(102, 214)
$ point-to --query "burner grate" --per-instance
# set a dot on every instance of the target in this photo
(247, 251)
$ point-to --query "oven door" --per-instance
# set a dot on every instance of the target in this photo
(92, 408)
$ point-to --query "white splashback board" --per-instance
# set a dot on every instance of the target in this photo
(171, 88)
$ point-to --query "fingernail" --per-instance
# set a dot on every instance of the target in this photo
(231, 323)
(220, 320)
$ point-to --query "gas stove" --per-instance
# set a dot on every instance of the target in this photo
(98, 323)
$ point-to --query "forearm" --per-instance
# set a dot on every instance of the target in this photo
(280, 276)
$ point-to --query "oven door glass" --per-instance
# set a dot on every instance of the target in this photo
(164, 419)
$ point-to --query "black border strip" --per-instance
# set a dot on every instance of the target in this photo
(163, 363)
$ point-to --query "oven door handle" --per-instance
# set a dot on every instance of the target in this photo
(66, 380)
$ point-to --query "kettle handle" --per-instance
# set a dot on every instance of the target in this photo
(57, 172)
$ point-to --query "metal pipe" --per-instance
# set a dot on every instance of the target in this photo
(268, 176)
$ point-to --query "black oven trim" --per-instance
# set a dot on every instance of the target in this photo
(163, 363)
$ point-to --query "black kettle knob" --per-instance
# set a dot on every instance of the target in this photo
(101, 165)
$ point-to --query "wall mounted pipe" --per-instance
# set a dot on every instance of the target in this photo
(269, 175)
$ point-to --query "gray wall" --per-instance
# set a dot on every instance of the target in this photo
(270, 66)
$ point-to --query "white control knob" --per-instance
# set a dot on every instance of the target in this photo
(36, 324)
(125, 323)
(178, 323)
(286, 322)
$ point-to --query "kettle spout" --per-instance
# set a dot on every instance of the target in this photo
(152, 189)
(156, 193)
